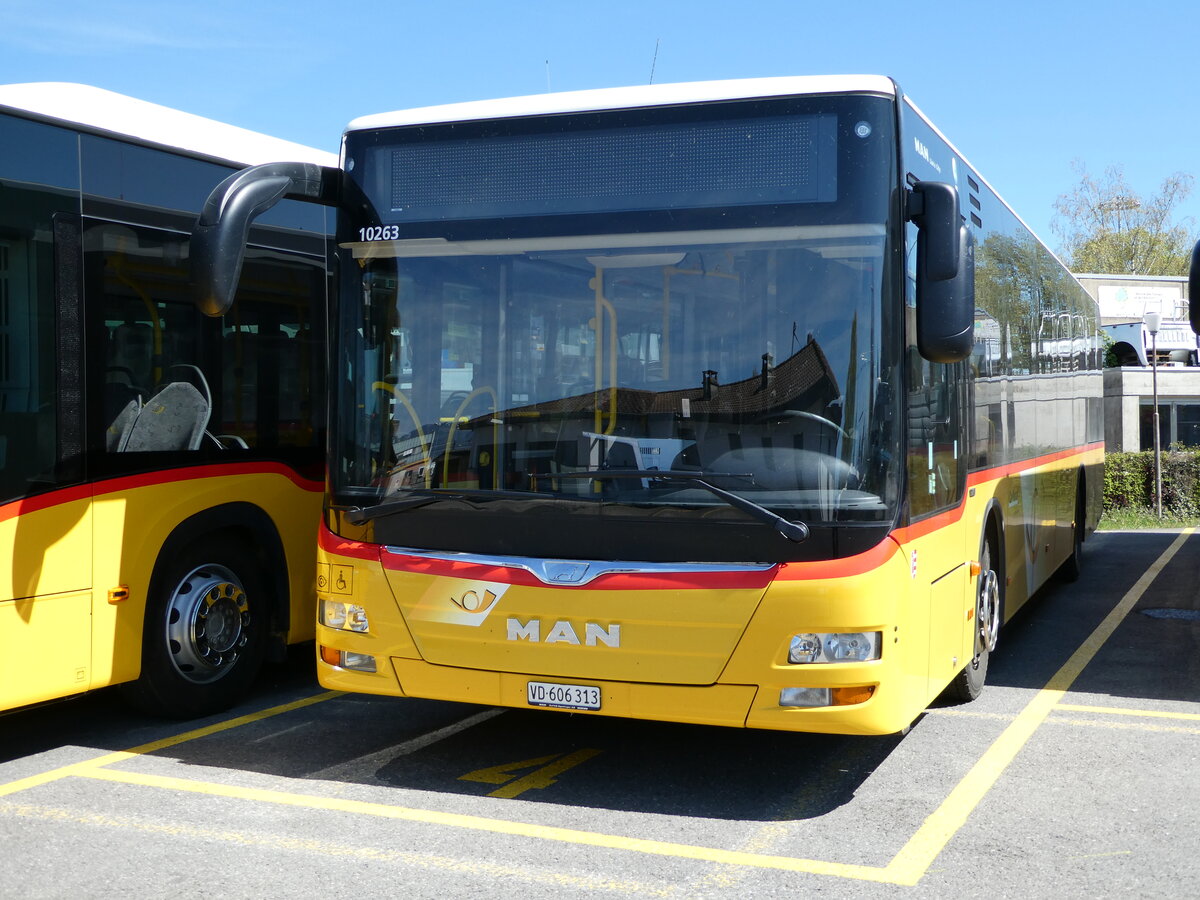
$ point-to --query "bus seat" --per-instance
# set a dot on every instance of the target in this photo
(173, 419)
(117, 395)
(117, 434)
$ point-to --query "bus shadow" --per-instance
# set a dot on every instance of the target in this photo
(646, 767)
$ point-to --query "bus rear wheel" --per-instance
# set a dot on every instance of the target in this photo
(989, 601)
(205, 632)
(1072, 567)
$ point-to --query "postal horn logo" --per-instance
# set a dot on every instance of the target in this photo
(455, 603)
(476, 601)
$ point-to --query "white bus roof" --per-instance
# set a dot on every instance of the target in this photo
(630, 98)
(95, 109)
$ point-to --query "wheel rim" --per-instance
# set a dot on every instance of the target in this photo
(208, 623)
(988, 610)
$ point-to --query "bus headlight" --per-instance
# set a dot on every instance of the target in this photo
(344, 616)
(361, 662)
(851, 646)
(798, 696)
(815, 697)
(346, 659)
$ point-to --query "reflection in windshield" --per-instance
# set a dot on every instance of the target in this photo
(472, 371)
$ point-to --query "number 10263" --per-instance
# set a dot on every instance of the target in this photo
(379, 233)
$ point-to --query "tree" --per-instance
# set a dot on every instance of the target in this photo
(1107, 227)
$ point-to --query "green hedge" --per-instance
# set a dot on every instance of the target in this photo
(1129, 481)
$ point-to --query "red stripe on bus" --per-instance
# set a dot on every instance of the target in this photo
(794, 571)
(76, 492)
(217, 470)
(45, 501)
(332, 543)
(877, 556)
(841, 568)
(1014, 468)
(983, 476)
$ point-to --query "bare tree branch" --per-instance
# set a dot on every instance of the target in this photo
(1108, 227)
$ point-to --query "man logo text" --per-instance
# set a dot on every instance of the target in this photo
(563, 632)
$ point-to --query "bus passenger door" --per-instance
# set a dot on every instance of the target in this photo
(938, 401)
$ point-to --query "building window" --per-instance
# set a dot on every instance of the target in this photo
(1178, 423)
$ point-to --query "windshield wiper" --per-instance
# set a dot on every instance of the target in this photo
(413, 498)
(418, 497)
(359, 514)
(793, 531)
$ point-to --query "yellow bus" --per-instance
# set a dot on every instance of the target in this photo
(162, 471)
(740, 403)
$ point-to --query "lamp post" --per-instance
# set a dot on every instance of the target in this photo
(1152, 321)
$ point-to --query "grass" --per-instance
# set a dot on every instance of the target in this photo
(1132, 518)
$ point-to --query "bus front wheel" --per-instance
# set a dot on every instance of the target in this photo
(205, 632)
(989, 599)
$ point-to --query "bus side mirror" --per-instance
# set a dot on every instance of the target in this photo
(218, 245)
(1194, 289)
(945, 274)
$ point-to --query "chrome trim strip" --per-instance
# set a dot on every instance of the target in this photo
(575, 572)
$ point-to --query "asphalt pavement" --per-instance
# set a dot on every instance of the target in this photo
(1074, 775)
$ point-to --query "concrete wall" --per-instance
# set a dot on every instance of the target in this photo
(1124, 389)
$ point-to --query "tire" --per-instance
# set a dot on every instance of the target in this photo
(205, 634)
(1072, 567)
(989, 604)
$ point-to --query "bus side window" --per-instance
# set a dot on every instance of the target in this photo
(27, 367)
(156, 394)
(271, 358)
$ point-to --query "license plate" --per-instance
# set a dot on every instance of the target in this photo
(563, 696)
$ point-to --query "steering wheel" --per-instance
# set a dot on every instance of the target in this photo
(812, 417)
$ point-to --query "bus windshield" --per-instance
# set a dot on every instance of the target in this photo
(759, 357)
(518, 370)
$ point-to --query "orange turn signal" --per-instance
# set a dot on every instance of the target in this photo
(331, 656)
(846, 696)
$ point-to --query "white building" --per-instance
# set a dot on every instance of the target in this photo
(1129, 388)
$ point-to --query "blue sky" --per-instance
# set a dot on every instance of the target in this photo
(1023, 88)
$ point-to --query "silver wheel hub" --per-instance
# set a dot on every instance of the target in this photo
(988, 610)
(208, 621)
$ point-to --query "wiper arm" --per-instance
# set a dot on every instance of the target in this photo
(793, 531)
(360, 514)
(417, 497)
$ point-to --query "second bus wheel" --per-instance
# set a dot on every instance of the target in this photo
(1072, 567)
(205, 633)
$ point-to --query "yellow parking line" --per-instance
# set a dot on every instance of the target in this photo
(496, 826)
(79, 768)
(916, 856)
(249, 718)
(88, 765)
(1143, 727)
(1122, 711)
